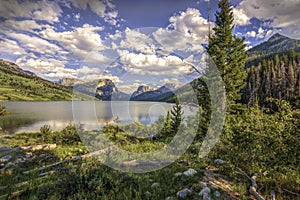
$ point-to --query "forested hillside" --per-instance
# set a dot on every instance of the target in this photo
(274, 76)
(17, 85)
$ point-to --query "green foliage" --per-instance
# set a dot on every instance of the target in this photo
(3, 111)
(274, 76)
(17, 85)
(259, 140)
(167, 128)
(228, 52)
(176, 117)
(68, 136)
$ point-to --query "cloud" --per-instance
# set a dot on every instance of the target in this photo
(144, 64)
(103, 8)
(56, 69)
(44, 10)
(128, 88)
(240, 17)
(251, 34)
(36, 44)
(186, 31)
(260, 34)
(11, 47)
(281, 14)
(24, 25)
(82, 43)
(77, 17)
(51, 67)
(135, 40)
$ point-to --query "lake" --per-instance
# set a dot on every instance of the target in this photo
(31, 116)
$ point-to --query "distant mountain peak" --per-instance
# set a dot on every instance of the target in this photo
(277, 36)
(276, 43)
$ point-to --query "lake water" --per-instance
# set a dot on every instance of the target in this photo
(31, 116)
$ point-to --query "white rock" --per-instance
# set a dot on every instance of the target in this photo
(5, 158)
(202, 184)
(183, 193)
(178, 174)
(206, 197)
(204, 191)
(154, 185)
(170, 198)
(217, 194)
(219, 161)
(190, 172)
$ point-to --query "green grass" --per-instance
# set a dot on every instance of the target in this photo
(20, 86)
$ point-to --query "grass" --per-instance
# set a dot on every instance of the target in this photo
(20, 86)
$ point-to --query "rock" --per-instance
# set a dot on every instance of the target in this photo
(5, 149)
(5, 158)
(206, 197)
(154, 185)
(183, 193)
(148, 194)
(141, 89)
(190, 172)
(28, 155)
(219, 161)
(154, 95)
(8, 165)
(217, 194)
(178, 174)
(204, 191)
(170, 198)
(203, 184)
(107, 90)
(153, 137)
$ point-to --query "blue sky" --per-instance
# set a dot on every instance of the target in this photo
(148, 41)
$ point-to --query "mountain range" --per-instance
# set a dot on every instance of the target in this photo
(22, 85)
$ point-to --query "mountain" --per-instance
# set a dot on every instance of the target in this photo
(162, 94)
(20, 85)
(275, 44)
(69, 81)
(141, 89)
(106, 91)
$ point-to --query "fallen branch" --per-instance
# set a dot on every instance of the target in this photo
(32, 148)
(293, 193)
(74, 159)
(39, 147)
(252, 189)
(134, 163)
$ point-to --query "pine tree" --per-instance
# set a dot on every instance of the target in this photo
(228, 52)
(176, 117)
(167, 129)
(3, 111)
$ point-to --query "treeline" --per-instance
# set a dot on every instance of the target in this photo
(275, 76)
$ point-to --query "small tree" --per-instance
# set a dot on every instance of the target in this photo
(3, 111)
(176, 117)
(167, 129)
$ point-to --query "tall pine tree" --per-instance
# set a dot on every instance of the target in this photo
(228, 52)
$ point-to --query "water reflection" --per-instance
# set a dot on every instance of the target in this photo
(30, 116)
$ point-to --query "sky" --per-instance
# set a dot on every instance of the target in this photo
(131, 42)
